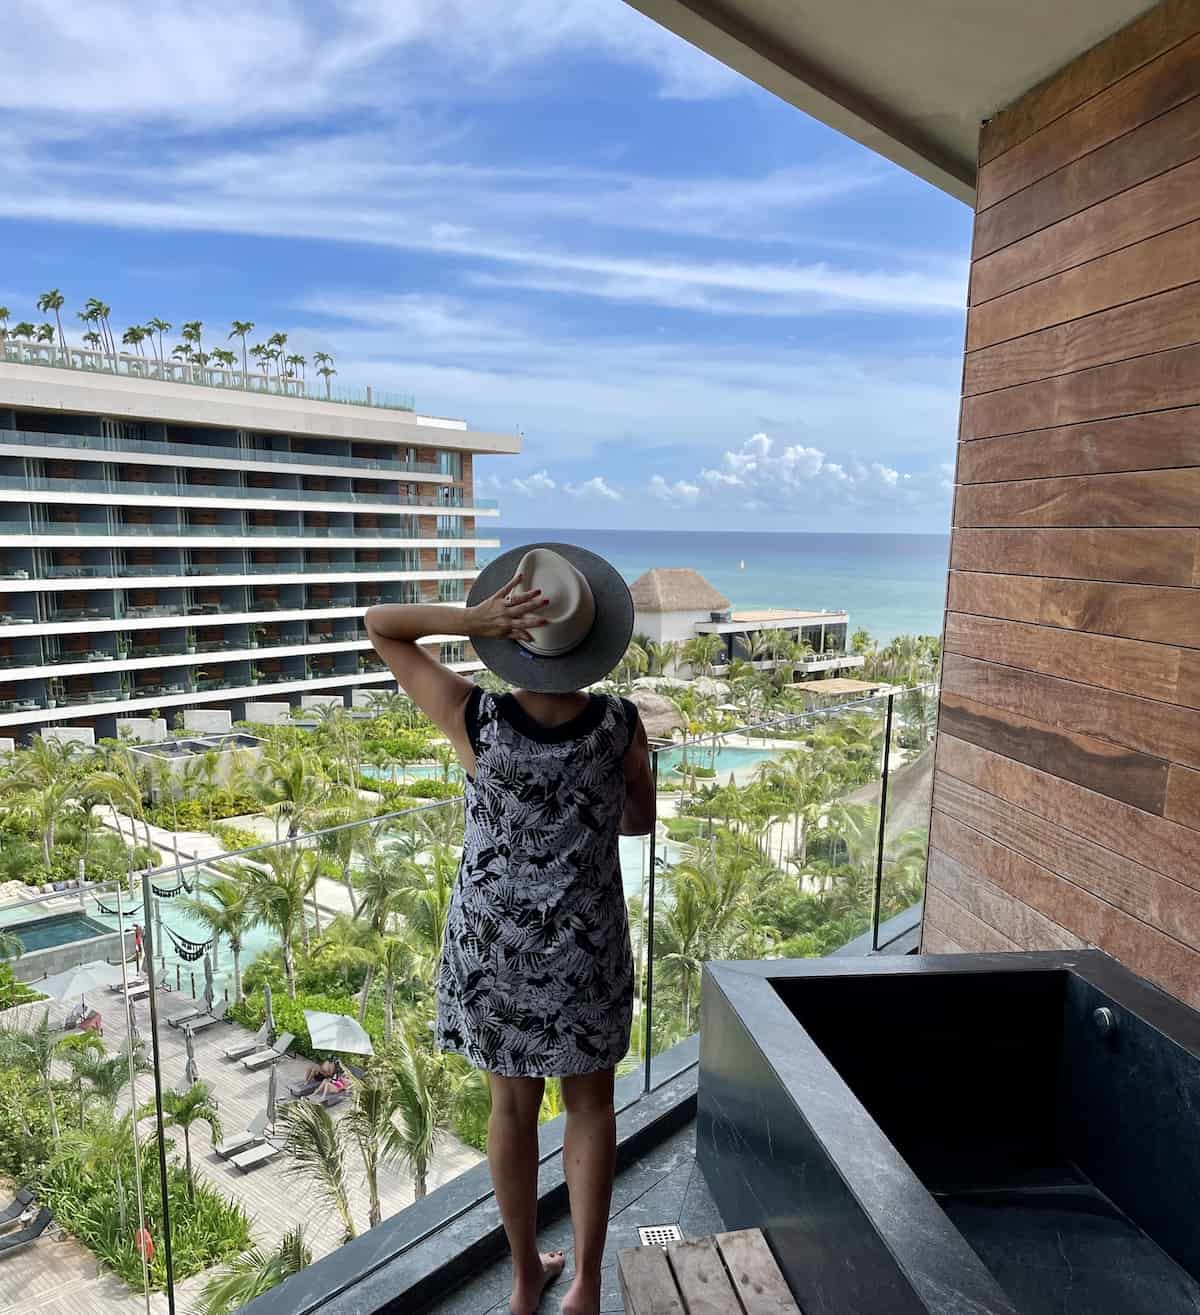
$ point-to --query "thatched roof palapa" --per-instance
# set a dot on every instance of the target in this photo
(676, 589)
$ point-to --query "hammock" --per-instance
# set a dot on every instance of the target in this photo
(112, 913)
(188, 951)
(163, 893)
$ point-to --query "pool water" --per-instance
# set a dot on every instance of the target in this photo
(414, 772)
(62, 929)
(741, 762)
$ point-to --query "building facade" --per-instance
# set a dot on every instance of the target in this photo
(169, 545)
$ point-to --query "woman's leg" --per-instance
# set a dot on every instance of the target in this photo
(513, 1160)
(589, 1159)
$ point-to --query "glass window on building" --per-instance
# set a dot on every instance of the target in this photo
(450, 463)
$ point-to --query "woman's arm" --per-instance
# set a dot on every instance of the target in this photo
(396, 629)
(637, 819)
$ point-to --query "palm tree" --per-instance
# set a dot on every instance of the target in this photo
(239, 329)
(381, 886)
(277, 342)
(291, 783)
(159, 327)
(93, 340)
(182, 352)
(24, 330)
(277, 896)
(340, 843)
(105, 1076)
(4, 313)
(41, 782)
(45, 333)
(261, 355)
(316, 1150)
(701, 653)
(253, 1273)
(369, 1125)
(661, 656)
(134, 336)
(224, 908)
(54, 301)
(326, 371)
(11, 945)
(191, 334)
(225, 357)
(298, 363)
(425, 1094)
(34, 1049)
(181, 1109)
(96, 312)
(98, 1148)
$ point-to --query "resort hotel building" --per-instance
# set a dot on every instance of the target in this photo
(675, 604)
(178, 539)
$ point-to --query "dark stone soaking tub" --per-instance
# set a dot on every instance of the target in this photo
(1012, 1134)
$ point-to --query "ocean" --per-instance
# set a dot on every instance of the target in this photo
(890, 583)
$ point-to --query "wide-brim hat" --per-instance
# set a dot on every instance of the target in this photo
(592, 633)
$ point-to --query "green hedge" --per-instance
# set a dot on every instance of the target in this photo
(289, 1016)
(13, 992)
(428, 788)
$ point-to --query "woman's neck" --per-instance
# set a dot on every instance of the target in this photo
(551, 710)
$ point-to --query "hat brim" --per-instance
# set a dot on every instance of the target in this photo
(599, 652)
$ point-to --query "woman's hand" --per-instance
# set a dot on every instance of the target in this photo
(510, 613)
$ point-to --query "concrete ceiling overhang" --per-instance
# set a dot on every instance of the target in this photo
(911, 79)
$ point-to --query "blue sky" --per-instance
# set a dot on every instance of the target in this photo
(701, 309)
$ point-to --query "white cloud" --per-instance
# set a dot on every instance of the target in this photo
(596, 487)
(679, 492)
(288, 60)
(534, 485)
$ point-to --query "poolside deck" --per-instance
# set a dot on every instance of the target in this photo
(61, 1277)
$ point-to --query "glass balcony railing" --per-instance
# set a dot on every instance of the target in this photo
(379, 503)
(211, 452)
(101, 529)
(775, 836)
(179, 372)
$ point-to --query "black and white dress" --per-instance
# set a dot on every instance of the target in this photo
(536, 978)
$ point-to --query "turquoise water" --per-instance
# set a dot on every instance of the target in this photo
(414, 772)
(890, 583)
(738, 761)
(60, 929)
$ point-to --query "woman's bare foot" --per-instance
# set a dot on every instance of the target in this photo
(527, 1292)
(582, 1297)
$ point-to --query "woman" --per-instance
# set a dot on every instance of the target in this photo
(536, 978)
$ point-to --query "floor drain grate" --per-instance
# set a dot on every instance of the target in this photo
(660, 1235)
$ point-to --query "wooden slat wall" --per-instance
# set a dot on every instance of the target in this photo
(1066, 806)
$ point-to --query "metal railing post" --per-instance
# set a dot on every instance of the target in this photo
(882, 840)
(648, 915)
(158, 1102)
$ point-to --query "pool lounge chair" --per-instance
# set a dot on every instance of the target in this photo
(210, 1019)
(255, 1135)
(196, 1010)
(255, 1156)
(26, 1236)
(271, 1055)
(260, 1040)
(138, 990)
(10, 1216)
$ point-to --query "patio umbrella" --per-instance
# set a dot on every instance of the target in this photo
(191, 1072)
(79, 981)
(337, 1032)
(272, 1094)
(268, 1016)
(208, 981)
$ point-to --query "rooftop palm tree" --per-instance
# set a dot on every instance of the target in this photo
(182, 1109)
(316, 1150)
(225, 357)
(224, 908)
(191, 334)
(159, 327)
(298, 362)
(134, 337)
(93, 340)
(24, 330)
(239, 329)
(53, 301)
(327, 372)
(45, 333)
(96, 312)
(253, 1273)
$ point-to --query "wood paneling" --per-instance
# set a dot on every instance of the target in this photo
(1150, 497)
(1168, 261)
(1125, 665)
(1159, 204)
(1158, 30)
(1158, 842)
(1157, 441)
(1066, 803)
(1134, 556)
(1023, 926)
(936, 941)
(1107, 768)
(1156, 324)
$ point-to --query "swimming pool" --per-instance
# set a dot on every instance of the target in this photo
(413, 772)
(742, 762)
(61, 929)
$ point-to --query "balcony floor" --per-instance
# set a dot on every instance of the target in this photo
(665, 1186)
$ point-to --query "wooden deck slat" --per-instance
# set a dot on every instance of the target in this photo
(755, 1274)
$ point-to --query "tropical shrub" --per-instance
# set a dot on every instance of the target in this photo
(235, 837)
(25, 1140)
(289, 1016)
(429, 788)
(13, 992)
